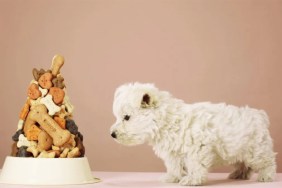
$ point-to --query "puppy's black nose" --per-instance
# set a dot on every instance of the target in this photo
(114, 135)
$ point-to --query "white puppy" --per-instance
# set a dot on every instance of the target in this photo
(191, 138)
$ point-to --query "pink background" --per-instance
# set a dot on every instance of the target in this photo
(219, 51)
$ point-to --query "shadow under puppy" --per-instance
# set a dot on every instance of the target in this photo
(191, 138)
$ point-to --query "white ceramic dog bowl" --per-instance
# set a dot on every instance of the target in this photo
(46, 171)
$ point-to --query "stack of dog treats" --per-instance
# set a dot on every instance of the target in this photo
(46, 128)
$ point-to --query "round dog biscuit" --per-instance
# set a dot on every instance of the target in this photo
(45, 80)
(58, 94)
(33, 91)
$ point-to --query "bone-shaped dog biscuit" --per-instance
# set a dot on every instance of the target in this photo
(33, 150)
(37, 73)
(44, 141)
(43, 91)
(58, 82)
(68, 105)
(48, 102)
(39, 115)
(71, 143)
(23, 141)
(57, 63)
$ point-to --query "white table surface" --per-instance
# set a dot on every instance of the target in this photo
(146, 179)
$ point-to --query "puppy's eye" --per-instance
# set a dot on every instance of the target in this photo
(126, 117)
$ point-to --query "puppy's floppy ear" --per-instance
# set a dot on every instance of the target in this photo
(147, 101)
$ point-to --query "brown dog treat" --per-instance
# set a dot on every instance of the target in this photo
(32, 132)
(37, 73)
(60, 121)
(45, 154)
(45, 80)
(71, 143)
(57, 153)
(14, 149)
(74, 153)
(23, 153)
(56, 148)
(58, 82)
(58, 94)
(44, 141)
(80, 146)
(33, 91)
(39, 114)
(57, 63)
(24, 111)
(64, 153)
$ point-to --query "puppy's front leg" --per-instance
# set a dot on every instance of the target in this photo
(174, 168)
(197, 163)
(196, 174)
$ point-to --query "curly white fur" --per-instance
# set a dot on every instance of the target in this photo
(191, 138)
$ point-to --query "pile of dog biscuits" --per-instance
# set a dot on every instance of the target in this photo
(46, 128)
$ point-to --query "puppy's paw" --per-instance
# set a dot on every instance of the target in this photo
(167, 178)
(267, 174)
(191, 180)
(265, 178)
